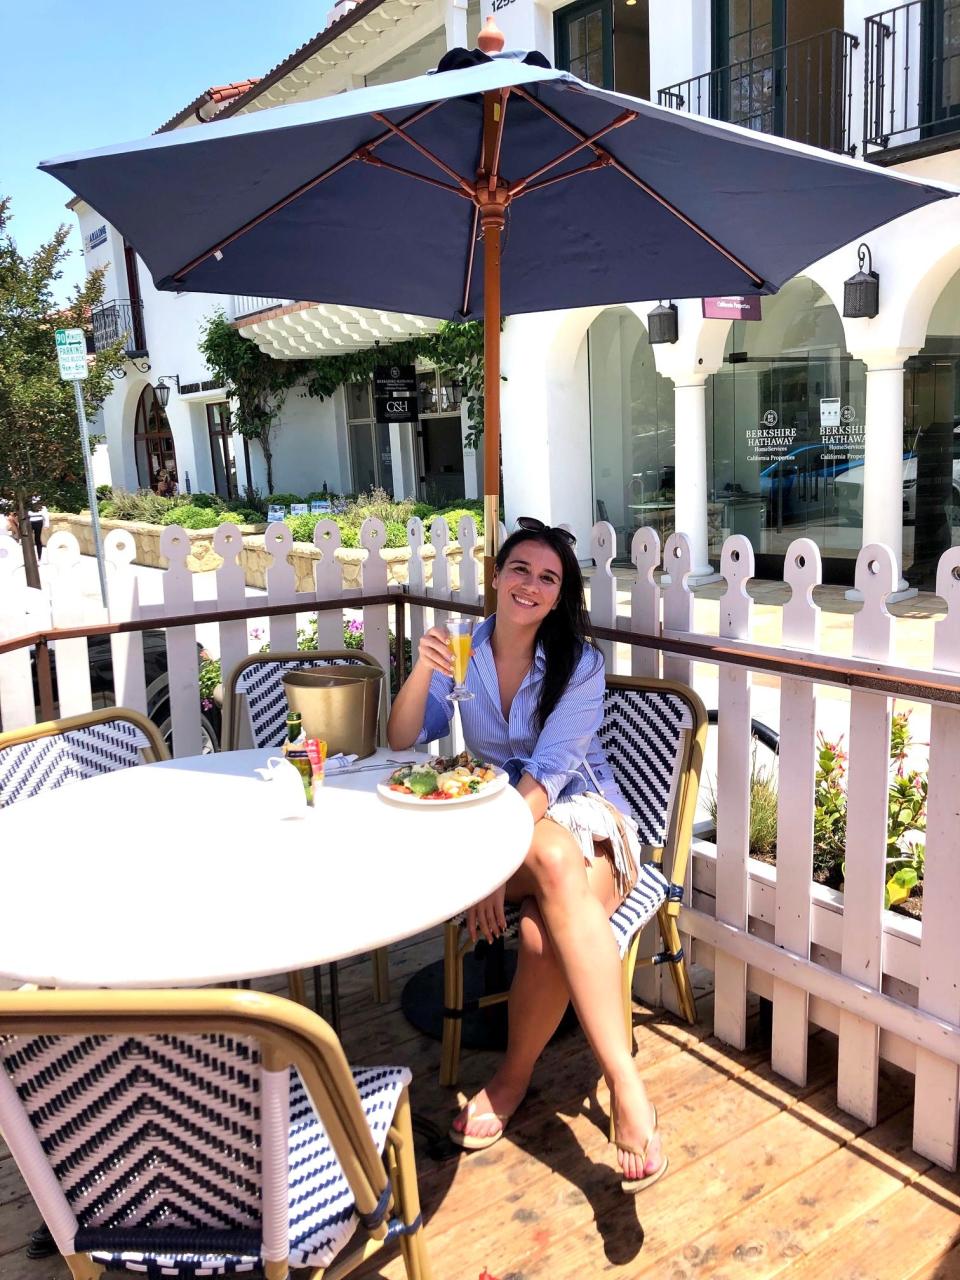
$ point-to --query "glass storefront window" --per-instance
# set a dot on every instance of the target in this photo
(931, 443)
(785, 434)
(631, 429)
(371, 460)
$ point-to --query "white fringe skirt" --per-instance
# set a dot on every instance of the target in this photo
(590, 818)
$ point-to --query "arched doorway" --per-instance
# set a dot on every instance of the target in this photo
(152, 441)
(631, 429)
(785, 433)
(931, 443)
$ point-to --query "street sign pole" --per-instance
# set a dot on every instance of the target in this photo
(72, 358)
(91, 491)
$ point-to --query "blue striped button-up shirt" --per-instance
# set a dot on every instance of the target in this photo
(555, 754)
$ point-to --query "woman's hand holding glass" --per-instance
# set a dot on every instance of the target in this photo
(434, 651)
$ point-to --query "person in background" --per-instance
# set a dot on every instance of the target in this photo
(165, 485)
(39, 518)
(11, 525)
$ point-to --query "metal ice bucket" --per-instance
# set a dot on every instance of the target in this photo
(339, 704)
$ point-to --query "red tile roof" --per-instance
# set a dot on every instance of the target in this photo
(215, 95)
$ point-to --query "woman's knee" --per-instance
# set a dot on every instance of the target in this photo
(555, 860)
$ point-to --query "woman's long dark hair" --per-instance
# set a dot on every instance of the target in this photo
(565, 629)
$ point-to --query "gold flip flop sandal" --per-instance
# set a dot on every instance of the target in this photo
(630, 1186)
(471, 1142)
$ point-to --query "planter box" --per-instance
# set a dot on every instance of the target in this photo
(901, 942)
(254, 558)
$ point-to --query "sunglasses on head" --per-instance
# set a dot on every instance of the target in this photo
(531, 524)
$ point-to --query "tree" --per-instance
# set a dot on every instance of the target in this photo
(258, 383)
(40, 446)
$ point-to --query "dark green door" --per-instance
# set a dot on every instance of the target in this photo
(748, 38)
(583, 37)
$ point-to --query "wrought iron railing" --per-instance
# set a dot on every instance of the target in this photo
(802, 90)
(912, 74)
(119, 319)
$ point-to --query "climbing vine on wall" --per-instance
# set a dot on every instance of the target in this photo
(260, 384)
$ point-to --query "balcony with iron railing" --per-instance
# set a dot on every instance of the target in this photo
(802, 90)
(912, 80)
(121, 319)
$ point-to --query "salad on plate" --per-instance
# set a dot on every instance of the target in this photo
(443, 778)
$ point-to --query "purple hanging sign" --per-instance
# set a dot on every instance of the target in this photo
(732, 308)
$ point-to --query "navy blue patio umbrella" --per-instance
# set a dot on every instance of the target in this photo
(382, 197)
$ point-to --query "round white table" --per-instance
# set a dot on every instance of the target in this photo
(182, 873)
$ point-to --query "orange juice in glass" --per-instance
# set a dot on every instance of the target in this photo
(459, 637)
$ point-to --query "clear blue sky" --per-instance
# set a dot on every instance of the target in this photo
(81, 75)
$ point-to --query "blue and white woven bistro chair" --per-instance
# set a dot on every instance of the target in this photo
(254, 699)
(204, 1133)
(42, 757)
(653, 733)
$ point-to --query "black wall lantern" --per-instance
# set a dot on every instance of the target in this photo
(662, 323)
(162, 390)
(861, 293)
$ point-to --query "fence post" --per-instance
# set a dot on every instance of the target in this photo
(645, 600)
(376, 617)
(469, 569)
(68, 608)
(129, 678)
(417, 580)
(795, 800)
(936, 1106)
(603, 585)
(868, 783)
(733, 794)
(281, 586)
(16, 687)
(181, 644)
(328, 577)
(677, 602)
(231, 594)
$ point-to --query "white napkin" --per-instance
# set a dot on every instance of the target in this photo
(287, 791)
(339, 761)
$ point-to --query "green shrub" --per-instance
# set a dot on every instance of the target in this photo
(144, 505)
(189, 517)
(104, 492)
(282, 499)
(422, 510)
(204, 500)
(396, 534)
(453, 516)
(302, 527)
(239, 515)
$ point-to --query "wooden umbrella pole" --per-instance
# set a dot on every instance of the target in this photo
(492, 197)
(491, 221)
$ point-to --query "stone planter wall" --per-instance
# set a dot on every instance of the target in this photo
(254, 558)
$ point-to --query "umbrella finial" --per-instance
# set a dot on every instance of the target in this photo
(491, 39)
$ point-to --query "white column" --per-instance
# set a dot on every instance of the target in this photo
(455, 24)
(690, 471)
(883, 456)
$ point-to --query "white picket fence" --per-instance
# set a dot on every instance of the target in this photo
(886, 985)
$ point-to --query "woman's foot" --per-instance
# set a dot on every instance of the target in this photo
(482, 1121)
(639, 1147)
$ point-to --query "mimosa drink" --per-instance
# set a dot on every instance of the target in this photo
(461, 647)
(459, 633)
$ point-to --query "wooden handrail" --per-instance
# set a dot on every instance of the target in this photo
(850, 673)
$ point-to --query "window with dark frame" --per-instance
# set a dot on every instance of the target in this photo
(222, 452)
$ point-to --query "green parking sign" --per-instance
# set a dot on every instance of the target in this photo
(72, 354)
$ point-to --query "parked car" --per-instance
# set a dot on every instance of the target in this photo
(158, 688)
(801, 477)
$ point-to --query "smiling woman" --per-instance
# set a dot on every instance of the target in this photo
(537, 683)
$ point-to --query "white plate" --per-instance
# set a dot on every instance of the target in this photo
(490, 789)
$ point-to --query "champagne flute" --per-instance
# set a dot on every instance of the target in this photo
(459, 638)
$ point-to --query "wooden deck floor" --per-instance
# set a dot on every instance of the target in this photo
(765, 1179)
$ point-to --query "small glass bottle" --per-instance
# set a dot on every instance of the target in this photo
(294, 726)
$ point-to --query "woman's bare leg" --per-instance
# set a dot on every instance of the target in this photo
(538, 999)
(577, 923)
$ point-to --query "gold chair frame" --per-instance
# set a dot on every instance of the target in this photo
(157, 750)
(288, 1036)
(673, 855)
